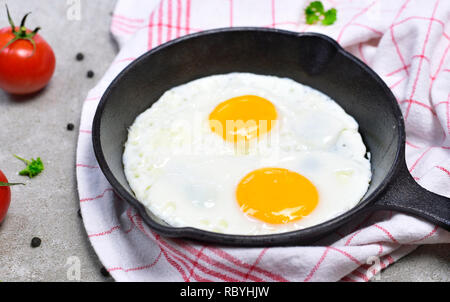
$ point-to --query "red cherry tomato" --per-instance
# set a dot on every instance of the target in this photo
(5, 197)
(27, 61)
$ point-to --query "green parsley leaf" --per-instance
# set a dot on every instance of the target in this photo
(311, 18)
(34, 167)
(315, 12)
(329, 17)
(316, 7)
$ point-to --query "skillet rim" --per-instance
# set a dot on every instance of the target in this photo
(287, 238)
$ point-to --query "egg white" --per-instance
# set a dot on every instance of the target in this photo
(187, 175)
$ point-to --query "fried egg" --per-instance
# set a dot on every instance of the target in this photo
(246, 154)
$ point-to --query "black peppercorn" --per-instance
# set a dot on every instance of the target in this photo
(90, 74)
(35, 242)
(79, 56)
(104, 272)
(70, 126)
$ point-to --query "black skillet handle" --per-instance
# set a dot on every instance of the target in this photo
(403, 194)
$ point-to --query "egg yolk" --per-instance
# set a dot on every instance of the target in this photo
(242, 118)
(276, 195)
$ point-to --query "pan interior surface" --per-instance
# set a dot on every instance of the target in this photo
(309, 59)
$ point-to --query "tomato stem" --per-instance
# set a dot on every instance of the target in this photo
(22, 33)
(22, 23)
(9, 184)
(11, 22)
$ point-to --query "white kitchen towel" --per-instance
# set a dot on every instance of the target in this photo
(406, 42)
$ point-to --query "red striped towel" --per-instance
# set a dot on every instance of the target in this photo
(406, 42)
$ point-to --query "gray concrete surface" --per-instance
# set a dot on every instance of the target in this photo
(47, 206)
(36, 126)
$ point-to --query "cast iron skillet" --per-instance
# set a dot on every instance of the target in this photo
(312, 59)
